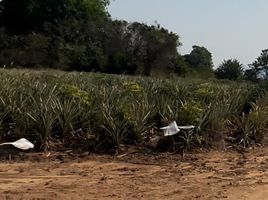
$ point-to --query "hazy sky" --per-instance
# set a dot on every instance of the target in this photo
(227, 28)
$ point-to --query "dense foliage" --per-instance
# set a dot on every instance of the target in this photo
(98, 112)
(229, 69)
(25, 16)
(259, 68)
(80, 35)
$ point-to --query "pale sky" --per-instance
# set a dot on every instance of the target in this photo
(227, 28)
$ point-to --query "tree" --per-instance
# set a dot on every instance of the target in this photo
(120, 64)
(179, 66)
(260, 66)
(200, 58)
(1, 14)
(80, 35)
(251, 75)
(22, 16)
(154, 46)
(81, 49)
(229, 69)
(72, 26)
(117, 47)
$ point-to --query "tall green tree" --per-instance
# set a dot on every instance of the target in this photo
(20, 16)
(80, 35)
(251, 75)
(200, 61)
(258, 70)
(200, 58)
(1, 14)
(179, 66)
(153, 45)
(229, 69)
(261, 65)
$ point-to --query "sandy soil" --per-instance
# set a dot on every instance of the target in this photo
(213, 175)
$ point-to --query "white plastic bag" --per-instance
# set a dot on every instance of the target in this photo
(22, 144)
(171, 129)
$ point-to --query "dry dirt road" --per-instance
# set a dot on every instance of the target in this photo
(213, 175)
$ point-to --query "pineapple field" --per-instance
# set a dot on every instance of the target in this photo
(106, 113)
(100, 131)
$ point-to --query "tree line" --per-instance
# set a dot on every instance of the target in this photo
(81, 35)
(232, 69)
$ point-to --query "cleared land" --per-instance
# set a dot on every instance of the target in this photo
(210, 175)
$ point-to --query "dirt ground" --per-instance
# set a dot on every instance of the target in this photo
(210, 175)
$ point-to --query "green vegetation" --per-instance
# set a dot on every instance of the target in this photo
(80, 35)
(229, 69)
(259, 68)
(103, 113)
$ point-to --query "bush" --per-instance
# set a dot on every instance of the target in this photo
(229, 69)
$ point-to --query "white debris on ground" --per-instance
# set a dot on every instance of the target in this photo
(173, 128)
(22, 144)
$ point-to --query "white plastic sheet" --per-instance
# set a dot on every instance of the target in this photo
(189, 127)
(173, 128)
(22, 144)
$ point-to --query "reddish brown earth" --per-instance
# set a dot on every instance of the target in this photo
(212, 175)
